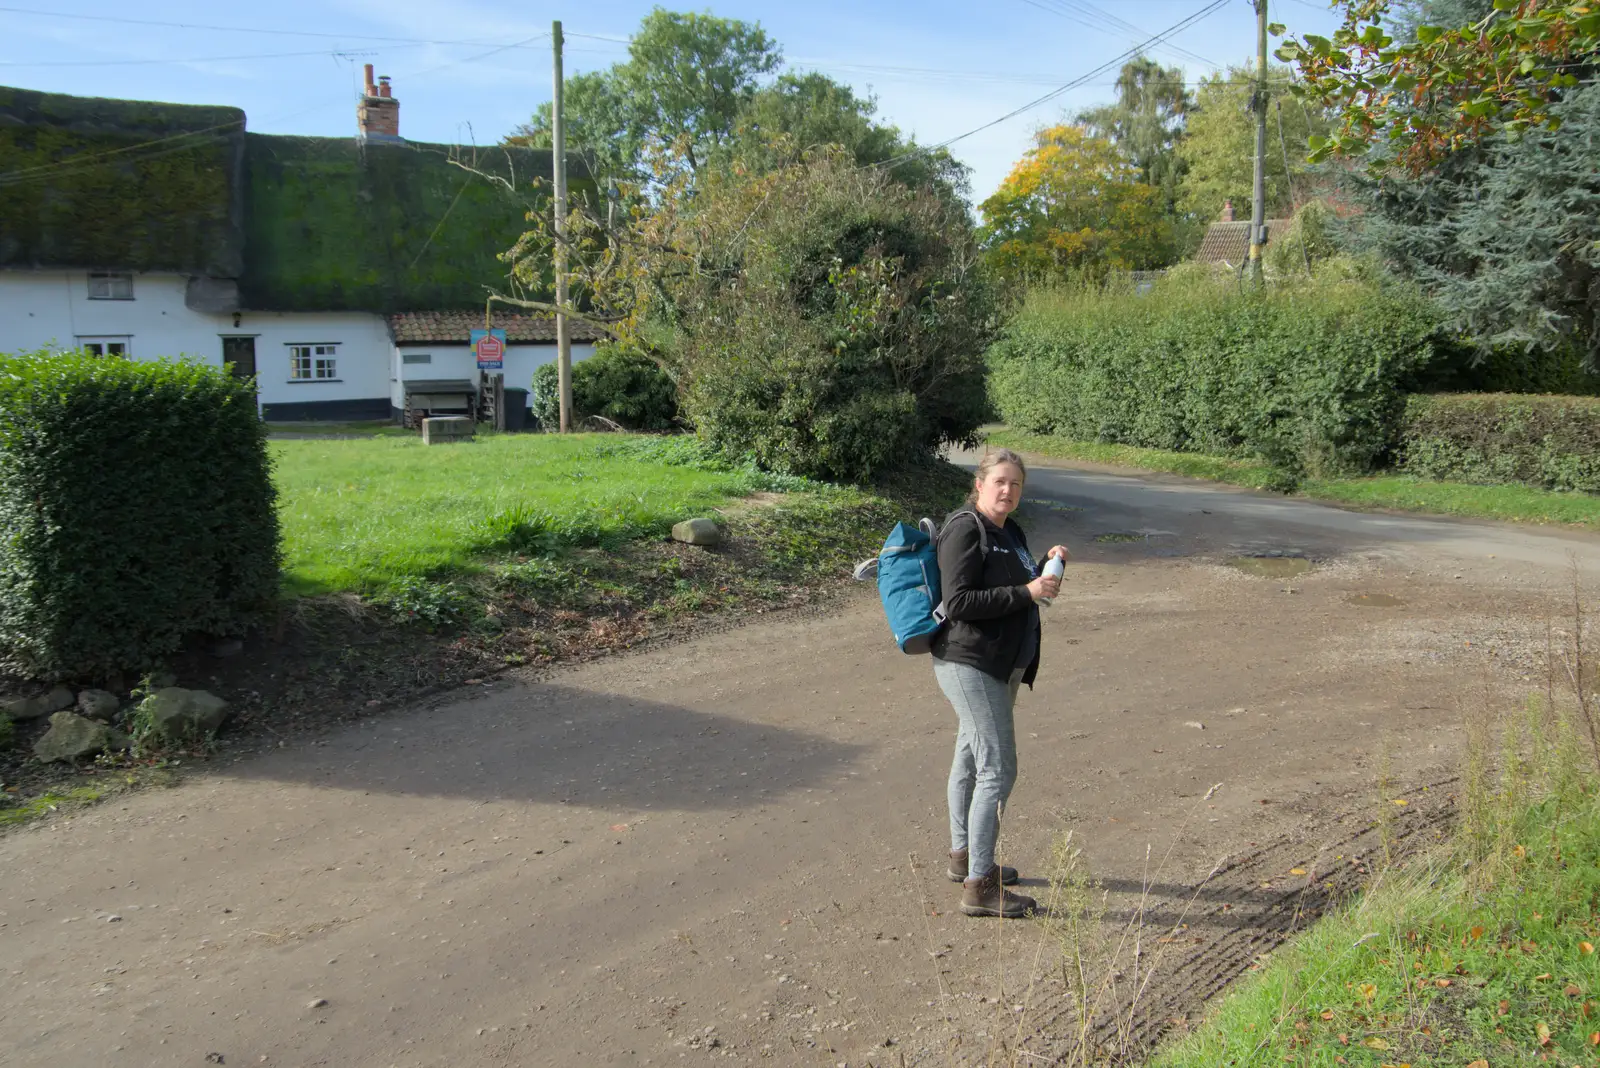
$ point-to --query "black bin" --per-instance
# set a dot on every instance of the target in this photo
(516, 409)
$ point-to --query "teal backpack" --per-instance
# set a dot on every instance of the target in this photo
(907, 571)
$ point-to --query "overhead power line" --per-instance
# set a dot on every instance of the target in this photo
(481, 55)
(1086, 14)
(1208, 9)
(335, 52)
(121, 20)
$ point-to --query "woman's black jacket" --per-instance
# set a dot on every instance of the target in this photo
(986, 602)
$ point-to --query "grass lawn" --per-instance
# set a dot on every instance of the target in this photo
(1520, 504)
(1481, 954)
(366, 514)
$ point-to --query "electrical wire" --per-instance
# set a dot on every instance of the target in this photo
(337, 53)
(1208, 9)
(1086, 14)
(232, 29)
(481, 55)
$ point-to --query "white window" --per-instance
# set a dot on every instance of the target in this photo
(313, 363)
(107, 286)
(416, 357)
(107, 346)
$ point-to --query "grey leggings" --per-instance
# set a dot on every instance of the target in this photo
(985, 766)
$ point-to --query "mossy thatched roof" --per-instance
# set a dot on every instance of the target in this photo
(335, 224)
(119, 184)
(304, 223)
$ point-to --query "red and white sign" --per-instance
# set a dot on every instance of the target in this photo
(490, 348)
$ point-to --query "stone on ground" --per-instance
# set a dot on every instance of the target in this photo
(697, 532)
(99, 704)
(21, 708)
(72, 737)
(179, 714)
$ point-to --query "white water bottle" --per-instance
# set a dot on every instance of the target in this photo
(1054, 569)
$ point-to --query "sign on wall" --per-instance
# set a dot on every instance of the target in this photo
(489, 346)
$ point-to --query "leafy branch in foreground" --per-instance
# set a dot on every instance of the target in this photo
(1437, 89)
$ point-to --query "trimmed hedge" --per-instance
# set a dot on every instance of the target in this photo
(1550, 442)
(619, 383)
(1311, 378)
(136, 508)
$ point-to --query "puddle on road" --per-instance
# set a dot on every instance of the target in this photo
(1375, 600)
(1272, 566)
(1053, 506)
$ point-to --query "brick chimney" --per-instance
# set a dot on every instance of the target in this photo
(1227, 205)
(378, 113)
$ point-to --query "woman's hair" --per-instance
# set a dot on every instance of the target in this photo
(991, 461)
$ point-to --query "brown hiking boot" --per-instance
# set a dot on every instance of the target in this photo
(986, 897)
(958, 870)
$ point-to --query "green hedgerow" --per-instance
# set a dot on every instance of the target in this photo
(136, 507)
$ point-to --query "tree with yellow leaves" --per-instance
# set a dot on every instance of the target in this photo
(1074, 207)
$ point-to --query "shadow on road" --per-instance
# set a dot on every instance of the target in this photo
(558, 744)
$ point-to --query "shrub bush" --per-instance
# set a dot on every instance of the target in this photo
(1545, 441)
(826, 321)
(617, 382)
(1311, 377)
(136, 507)
(1512, 369)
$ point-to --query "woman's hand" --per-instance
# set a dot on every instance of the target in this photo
(1043, 587)
(1058, 550)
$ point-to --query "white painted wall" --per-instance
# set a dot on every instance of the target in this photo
(363, 354)
(457, 361)
(40, 309)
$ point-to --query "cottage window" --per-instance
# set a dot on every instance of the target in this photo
(416, 357)
(108, 286)
(313, 363)
(105, 346)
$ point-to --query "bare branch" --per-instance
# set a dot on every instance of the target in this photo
(603, 324)
(485, 175)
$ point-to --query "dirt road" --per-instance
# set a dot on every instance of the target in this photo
(732, 850)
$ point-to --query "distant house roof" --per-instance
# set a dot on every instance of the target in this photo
(1229, 242)
(455, 327)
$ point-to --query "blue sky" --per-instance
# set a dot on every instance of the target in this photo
(471, 70)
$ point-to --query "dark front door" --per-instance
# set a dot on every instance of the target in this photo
(239, 355)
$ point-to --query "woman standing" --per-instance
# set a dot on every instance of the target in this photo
(992, 587)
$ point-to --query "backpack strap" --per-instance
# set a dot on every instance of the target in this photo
(983, 533)
(983, 548)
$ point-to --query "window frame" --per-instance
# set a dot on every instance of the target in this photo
(98, 345)
(315, 353)
(415, 359)
(111, 278)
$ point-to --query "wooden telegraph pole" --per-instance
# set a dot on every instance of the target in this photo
(558, 145)
(1258, 202)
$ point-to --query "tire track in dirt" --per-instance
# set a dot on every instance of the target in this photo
(1255, 904)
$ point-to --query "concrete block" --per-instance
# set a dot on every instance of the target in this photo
(445, 428)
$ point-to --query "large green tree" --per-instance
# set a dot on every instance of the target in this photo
(800, 112)
(1146, 122)
(1073, 206)
(679, 94)
(699, 92)
(1218, 148)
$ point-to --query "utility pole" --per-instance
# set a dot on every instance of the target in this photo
(558, 145)
(1258, 202)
